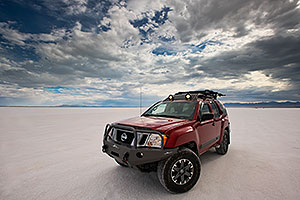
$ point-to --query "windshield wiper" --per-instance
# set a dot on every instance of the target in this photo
(170, 116)
(148, 115)
(181, 117)
(157, 115)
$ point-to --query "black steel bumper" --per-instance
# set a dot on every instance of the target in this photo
(133, 155)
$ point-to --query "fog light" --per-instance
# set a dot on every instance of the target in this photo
(139, 154)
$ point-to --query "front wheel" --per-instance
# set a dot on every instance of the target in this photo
(180, 172)
(223, 148)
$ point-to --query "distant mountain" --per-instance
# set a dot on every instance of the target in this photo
(95, 106)
(271, 104)
(65, 105)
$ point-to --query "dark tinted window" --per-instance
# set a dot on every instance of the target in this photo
(215, 109)
(204, 109)
(224, 112)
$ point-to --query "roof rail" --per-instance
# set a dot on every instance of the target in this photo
(203, 93)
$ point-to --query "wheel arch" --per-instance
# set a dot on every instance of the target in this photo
(190, 145)
(222, 133)
(184, 137)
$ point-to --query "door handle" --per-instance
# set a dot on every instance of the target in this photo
(213, 124)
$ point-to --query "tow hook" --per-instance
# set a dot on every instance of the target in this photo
(125, 157)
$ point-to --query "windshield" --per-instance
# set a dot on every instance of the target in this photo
(174, 109)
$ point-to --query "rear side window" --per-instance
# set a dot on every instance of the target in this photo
(223, 109)
(215, 109)
(204, 109)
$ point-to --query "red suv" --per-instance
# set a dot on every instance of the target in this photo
(170, 136)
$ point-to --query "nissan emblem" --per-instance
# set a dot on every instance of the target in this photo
(123, 137)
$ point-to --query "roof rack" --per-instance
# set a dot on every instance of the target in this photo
(202, 94)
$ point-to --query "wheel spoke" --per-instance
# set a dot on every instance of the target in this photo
(177, 176)
(182, 179)
(182, 164)
(187, 174)
(188, 167)
(176, 169)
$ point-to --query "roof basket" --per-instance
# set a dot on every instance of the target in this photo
(202, 94)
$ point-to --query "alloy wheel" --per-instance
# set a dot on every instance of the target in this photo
(182, 171)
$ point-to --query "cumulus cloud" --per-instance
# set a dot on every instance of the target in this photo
(249, 50)
(196, 18)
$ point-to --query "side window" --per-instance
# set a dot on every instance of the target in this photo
(224, 112)
(204, 109)
(215, 109)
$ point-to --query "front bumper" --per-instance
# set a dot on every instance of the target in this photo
(133, 155)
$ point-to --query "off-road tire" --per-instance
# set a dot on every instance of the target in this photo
(167, 171)
(121, 164)
(223, 148)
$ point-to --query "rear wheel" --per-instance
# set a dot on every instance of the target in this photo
(180, 172)
(223, 148)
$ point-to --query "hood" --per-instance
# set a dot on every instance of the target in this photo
(155, 123)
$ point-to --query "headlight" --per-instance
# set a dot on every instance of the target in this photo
(154, 141)
(151, 140)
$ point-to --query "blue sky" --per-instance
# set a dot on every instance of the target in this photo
(103, 53)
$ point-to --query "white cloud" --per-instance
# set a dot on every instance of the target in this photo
(13, 35)
(112, 63)
(75, 6)
(139, 7)
(16, 37)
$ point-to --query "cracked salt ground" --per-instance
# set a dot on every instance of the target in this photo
(55, 153)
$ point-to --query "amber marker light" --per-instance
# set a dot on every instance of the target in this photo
(165, 139)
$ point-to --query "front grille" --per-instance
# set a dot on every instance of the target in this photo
(143, 139)
(125, 136)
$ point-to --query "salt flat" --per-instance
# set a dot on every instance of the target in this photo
(55, 153)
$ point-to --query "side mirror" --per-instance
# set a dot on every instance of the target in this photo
(207, 116)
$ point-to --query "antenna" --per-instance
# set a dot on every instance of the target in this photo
(140, 99)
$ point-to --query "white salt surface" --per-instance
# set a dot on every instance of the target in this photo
(55, 153)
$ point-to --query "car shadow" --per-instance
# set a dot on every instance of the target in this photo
(209, 156)
(122, 182)
(127, 183)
